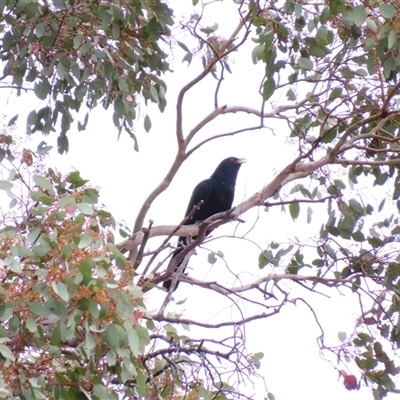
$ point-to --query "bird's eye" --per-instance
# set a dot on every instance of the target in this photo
(233, 160)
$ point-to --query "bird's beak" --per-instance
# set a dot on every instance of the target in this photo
(240, 161)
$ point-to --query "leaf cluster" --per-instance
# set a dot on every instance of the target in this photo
(84, 53)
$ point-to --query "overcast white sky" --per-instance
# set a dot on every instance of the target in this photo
(292, 366)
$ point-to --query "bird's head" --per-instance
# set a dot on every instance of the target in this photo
(236, 161)
(229, 168)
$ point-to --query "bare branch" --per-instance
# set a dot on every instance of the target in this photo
(253, 128)
(345, 162)
(281, 203)
(214, 326)
(330, 282)
(146, 233)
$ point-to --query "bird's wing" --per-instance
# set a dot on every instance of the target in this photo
(203, 191)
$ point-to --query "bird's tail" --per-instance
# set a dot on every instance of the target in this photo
(167, 283)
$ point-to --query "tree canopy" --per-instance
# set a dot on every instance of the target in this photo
(76, 322)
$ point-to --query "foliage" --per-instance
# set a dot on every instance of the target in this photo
(337, 62)
(74, 53)
(73, 321)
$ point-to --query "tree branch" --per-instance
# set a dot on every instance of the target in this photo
(161, 318)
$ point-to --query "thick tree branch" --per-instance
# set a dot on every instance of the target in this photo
(330, 282)
(345, 162)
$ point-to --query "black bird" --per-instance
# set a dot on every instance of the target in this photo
(217, 194)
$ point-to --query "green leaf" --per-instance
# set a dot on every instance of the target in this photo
(372, 25)
(40, 29)
(65, 201)
(154, 94)
(85, 208)
(291, 95)
(381, 205)
(265, 258)
(42, 197)
(389, 66)
(317, 52)
(257, 53)
(356, 207)
(318, 262)
(342, 336)
(329, 135)
(42, 89)
(392, 39)
(37, 308)
(41, 249)
(42, 182)
(84, 241)
(188, 57)
(116, 31)
(13, 203)
(16, 266)
(61, 290)
(111, 358)
(22, 251)
(359, 15)
(358, 236)
(309, 214)
(77, 41)
(322, 32)
(204, 394)
(329, 250)
(43, 148)
(346, 225)
(305, 63)
(12, 120)
(6, 185)
(347, 73)
(294, 210)
(134, 342)
(7, 312)
(210, 29)
(33, 236)
(85, 267)
(269, 88)
(183, 46)
(211, 258)
(31, 325)
(61, 71)
(119, 109)
(255, 359)
(141, 383)
(111, 336)
(143, 334)
(56, 336)
(147, 123)
(270, 396)
(6, 353)
(101, 392)
(135, 291)
(387, 11)
(282, 252)
(62, 144)
(80, 93)
(93, 309)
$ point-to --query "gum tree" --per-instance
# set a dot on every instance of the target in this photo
(72, 304)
